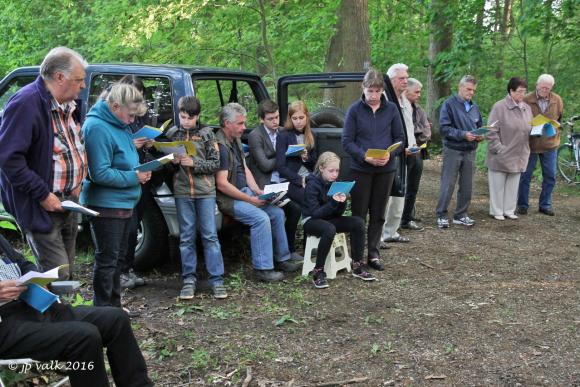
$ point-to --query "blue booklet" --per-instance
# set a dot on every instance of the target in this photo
(295, 150)
(38, 297)
(480, 131)
(155, 164)
(340, 187)
(148, 132)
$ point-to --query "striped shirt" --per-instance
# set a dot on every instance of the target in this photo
(68, 151)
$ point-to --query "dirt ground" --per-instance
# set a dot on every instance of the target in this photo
(493, 305)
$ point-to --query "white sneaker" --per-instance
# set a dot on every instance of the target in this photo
(511, 216)
(498, 217)
(466, 221)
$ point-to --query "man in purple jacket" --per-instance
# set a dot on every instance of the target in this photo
(43, 160)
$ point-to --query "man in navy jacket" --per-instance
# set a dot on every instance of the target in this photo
(43, 160)
(459, 115)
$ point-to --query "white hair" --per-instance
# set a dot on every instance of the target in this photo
(467, 79)
(60, 60)
(394, 69)
(546, 78)
(413, 83)
(230, 112)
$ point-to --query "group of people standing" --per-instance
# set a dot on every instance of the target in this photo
(47, 158)
(512, 151)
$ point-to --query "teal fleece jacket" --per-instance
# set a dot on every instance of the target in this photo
(111, 182)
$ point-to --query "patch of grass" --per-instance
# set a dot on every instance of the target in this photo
(236, 281)
(573, 328)
(80, 301)
(185, 309)
(286, 319)
(85, 257)
(563, 188)
(375, 348)
(449, 349)
(473, 258)
(368, 320)
(167, 350)
(222, 313)
(201, 359)
(270, 307)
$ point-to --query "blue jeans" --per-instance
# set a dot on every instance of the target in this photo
(267, 233)
(548, 164)
(188, 210)
(110, 238)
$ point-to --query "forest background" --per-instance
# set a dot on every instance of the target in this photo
(440, 40)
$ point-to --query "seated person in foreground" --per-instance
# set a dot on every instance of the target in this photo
(67, 334)
(238, 197)
(323, 215)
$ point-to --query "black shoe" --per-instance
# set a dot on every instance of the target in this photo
(415, 219)
(319, 279)
(547, 211)
(522, 211)
(288, 266)
(412, 225)
(376, 264)
(384, 245)
(268, 275)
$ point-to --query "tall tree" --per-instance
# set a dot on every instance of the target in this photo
(440, 43)
(350, 47)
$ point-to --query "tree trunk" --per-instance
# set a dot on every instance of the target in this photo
(504, 32)
(440, 41)
(350, 48)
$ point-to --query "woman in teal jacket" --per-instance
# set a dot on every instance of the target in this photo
(112, 186)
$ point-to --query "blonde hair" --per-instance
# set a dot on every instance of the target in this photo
(325, 159)
(298, 106)
(125, 95)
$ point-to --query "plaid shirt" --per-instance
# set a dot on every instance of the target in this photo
(69, 157)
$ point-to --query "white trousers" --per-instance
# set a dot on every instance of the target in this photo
(393, 215)
(503, 192)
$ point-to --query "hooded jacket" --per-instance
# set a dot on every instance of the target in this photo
(112, 182)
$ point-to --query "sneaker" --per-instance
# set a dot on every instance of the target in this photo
(498, 217)
(360, 271)
(219, 291)
(442, 223)
(289, 266)
(127, 282)
(384, 245)
(466, 221)
(412, 225)
(319, 279)
(138, 280)
(188, 289)
(511, 216)
(268, 275)
(375, 263)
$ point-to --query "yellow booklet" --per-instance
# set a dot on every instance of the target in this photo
(382, 153)
(176, 147)
(541, 120)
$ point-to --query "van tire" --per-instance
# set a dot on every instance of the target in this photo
(327, 117)
(152, 239)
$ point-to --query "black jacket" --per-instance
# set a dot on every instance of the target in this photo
(288, 167)
(317, 204)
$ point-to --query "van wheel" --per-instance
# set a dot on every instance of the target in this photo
(152, 239)
(328, 117)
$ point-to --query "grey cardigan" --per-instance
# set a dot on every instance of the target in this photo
(262, 158)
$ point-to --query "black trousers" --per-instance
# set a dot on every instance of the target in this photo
(110, 237)
(128, 260)
(76, 335)
(327, 229)
(293, 213)
(370, 195)
(414, 172)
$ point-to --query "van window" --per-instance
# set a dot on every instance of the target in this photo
(157, 94)
(12, 87)
(215, 93)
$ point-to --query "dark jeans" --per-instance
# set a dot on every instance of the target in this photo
(327, 229)
(128, 261)
(56, 247)
(548, 162)
(414, 172)
(370, 195)
(293, 213)
(75, 335)
(110, 239)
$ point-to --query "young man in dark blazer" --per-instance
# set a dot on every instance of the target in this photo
(262, 163)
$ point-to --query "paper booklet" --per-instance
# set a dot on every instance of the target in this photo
(42, 279)
(343, 187)
(295, 150)
(382, 153)
(543, 126)
(155, 164)
(75, 207)
(38, 297)
(272, 191)
(177, 147)
(415, 149)
(151, 132)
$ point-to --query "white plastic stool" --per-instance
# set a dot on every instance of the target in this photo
(336, 260)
